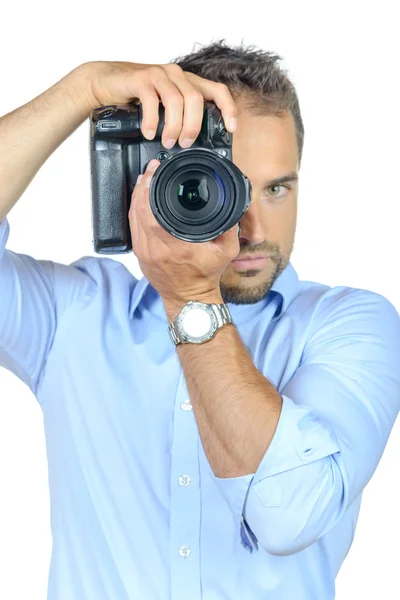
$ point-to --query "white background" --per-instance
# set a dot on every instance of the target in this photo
(343, 58)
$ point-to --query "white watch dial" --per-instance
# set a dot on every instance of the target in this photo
(197, 322)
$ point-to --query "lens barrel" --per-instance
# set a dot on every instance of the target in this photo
(196, 194)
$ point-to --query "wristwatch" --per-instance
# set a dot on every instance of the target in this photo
(198, 322)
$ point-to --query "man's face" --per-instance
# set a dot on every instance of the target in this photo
(264, 149)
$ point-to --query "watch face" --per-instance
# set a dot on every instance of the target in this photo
(197, 321)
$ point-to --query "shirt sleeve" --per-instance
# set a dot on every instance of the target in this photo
(337, 414)
(34, 294)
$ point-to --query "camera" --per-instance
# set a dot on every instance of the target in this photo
(196, 193)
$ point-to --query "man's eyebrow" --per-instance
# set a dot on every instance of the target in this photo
(292, 176)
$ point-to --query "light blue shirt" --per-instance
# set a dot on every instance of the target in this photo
(136, 510)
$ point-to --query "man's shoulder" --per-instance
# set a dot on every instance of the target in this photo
(340, 303)
(90, 278)
(102, 267)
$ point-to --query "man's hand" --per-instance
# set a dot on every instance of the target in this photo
(182, 93)
(180, 271)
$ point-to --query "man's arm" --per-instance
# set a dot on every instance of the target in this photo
(236, 407)
(337, 414)
(30, 308)
(31, 133)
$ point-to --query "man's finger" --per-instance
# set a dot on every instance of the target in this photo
(151, 167)
(219, 94)
(193, 106)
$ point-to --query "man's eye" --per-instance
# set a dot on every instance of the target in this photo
(274, 187)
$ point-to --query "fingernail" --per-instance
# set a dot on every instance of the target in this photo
(186, 143)
(169, 144)
(148, 180)
(139, 179)
(150, 133)
(153, 164)
(233, 124)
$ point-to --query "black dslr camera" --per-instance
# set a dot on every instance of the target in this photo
(196, 193)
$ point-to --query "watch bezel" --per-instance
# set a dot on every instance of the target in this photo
(210, 332)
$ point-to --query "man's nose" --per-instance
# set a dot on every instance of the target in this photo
(252, 228)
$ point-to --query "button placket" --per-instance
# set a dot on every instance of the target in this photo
(185, 503)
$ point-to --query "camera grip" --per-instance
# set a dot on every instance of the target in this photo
(110, 223)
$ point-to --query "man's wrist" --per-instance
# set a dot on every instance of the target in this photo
(173, 307)
(32, 132)
(80, 87)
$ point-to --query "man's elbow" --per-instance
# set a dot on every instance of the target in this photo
(284, 545)
(294, 520)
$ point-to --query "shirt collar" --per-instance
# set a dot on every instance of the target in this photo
(286, 286)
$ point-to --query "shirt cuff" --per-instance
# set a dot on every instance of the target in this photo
(300, 438)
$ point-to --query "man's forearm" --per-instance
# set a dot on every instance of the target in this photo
(236, 408)
(31, 133)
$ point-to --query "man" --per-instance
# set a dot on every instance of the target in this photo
(227, 469)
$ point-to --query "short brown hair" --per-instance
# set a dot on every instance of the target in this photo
(251, 73)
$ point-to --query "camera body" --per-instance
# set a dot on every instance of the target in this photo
(196, 193)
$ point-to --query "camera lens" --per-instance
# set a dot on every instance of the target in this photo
(196, 195)
(193, 193)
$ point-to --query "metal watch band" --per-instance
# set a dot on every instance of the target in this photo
(173, 333)
(222, 316)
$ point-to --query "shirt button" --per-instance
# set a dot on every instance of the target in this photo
(184, 479)
(184, 551)
(186, 405)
